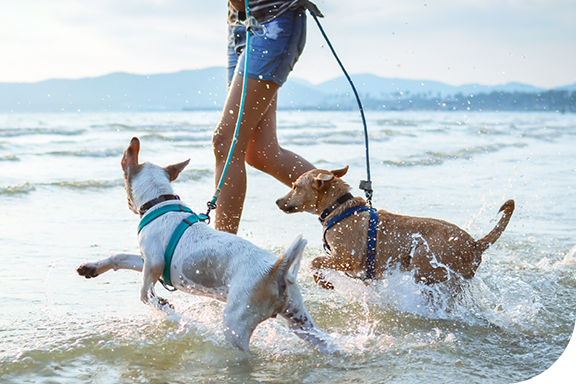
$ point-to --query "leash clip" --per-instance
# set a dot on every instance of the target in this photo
(366, 186)
(212, 204)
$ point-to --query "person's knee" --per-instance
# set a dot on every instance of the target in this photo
(220, 144)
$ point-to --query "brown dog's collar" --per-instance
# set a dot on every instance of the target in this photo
(341, 200)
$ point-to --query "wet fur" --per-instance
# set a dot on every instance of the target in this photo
(435, 251)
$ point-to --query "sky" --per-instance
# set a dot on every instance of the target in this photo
(453, 41)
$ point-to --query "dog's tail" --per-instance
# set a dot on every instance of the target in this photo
(490, 238)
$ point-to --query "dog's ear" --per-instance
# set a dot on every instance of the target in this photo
(340, 172)
(130, 157)
(175, 169)
(320, 179)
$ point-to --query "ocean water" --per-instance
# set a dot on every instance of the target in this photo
(63, 203)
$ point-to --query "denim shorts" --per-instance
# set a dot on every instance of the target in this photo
(272, 56)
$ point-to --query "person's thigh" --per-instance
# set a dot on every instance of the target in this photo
(258, 97)
(273, 56)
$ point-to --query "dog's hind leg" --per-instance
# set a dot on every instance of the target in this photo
(116, 262)
(425, 265)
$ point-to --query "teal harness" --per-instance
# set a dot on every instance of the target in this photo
(187, 222)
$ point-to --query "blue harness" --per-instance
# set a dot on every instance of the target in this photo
(371, 248)
(187, 222)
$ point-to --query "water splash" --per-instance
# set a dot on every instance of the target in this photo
(570, 258)
(491, 297)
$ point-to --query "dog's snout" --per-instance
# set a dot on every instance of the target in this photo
(282, 203)
(284, 206)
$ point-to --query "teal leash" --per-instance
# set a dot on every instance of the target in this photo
(251, 25)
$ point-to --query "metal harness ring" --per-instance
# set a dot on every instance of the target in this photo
(253, 25)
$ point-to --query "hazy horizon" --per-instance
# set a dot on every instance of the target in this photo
(294, 78)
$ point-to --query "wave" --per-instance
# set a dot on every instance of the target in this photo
(402, 123)
(437, 158)
(340, 137)
(394, 132)
(24, 188)
(166, 127)
(469, 152)
(549, 133)
(90, 153)
(307, 126)
(194, 174)
(9, 158)
(17, 132)
(204, 137)
(19, 189)
(190, 175)
(89, 184)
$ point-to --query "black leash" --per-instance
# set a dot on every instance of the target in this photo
(365, 185)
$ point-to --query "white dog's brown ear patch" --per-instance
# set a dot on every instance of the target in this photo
(340, 172)
(175, 169)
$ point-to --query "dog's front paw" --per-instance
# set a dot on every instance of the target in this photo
(87, 270)
(321, 282)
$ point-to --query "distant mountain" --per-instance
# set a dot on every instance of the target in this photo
(373, 86)
(569, 88)
(206, 89)
(200, 89)
(369, 85)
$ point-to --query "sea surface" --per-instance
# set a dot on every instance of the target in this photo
(62, 203)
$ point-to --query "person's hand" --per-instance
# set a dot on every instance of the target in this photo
(238, 5)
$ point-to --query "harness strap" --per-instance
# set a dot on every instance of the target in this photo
(176, 235)
(173, 242)
(371, 246)
(159, 212)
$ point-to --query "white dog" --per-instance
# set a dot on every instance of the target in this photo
(253, 282)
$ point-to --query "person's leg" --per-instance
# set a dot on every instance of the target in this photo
(272, 59)
(257, 100)
(265, 154)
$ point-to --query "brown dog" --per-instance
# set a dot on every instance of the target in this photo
(434, 250)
